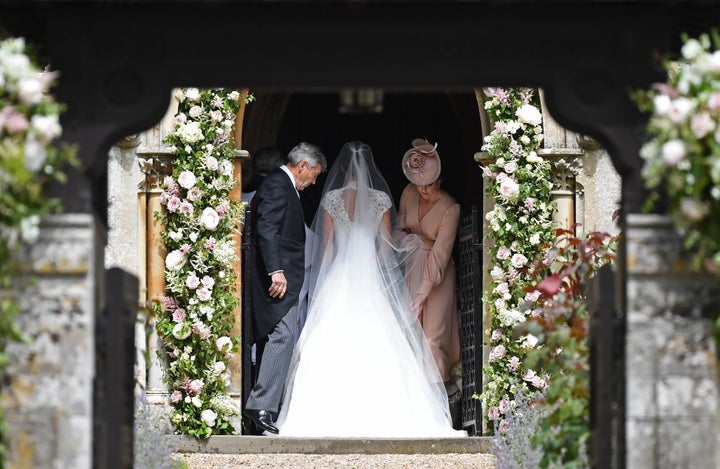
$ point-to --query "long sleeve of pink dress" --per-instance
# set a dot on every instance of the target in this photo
(434, 273)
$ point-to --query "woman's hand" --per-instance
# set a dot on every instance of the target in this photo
(418, 304)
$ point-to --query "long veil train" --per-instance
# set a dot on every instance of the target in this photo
(362, 366)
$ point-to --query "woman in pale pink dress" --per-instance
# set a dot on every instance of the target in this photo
(432, 214)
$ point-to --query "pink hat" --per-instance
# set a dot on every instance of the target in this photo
(421, 163)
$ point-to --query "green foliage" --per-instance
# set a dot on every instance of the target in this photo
(563, 347)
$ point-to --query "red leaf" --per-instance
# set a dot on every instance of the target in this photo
(550, 285)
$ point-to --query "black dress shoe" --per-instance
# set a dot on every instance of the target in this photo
(262, 419)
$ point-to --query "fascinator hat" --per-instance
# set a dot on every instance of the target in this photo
(421, 163)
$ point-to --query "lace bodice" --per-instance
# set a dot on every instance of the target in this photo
(334, 203)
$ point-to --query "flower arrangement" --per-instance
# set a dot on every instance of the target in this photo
(196, 316)
(682, 156)
(29, 161)
(520, 229)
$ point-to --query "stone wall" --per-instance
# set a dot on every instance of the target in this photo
(671, 361)
(48, 398)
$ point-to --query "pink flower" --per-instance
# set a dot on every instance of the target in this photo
(185, 248)
(176, 396)
(210, 243)
(186, 207)
(223, 208)
(194, 194)
(529, 203)
(504, 426)
(180, 118)
(12, 121)
(173, 204)
(192, 281)
(513, 364)
(178, 315)
(497, 353)
(511, 167)
(211, 163)
(714, 101)
(168, 303)
(518, 260)
(496, 334)
(195, 387)
(201, 330)
(216, 116)
(503, 252)
(509, 188)
(208, 282)
(494, 413)
(504, 406)
(204, 294)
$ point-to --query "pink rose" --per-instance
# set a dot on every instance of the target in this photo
(494, 413)
(211, 163)
(173, 204)
(194, 194)
(496, 334)
(204, 294)
(178, 315)
(673, 151)
(186, 207)
(503, 252)
(176, 396)
(518, 260)
(208, 282)
(223, 208)
(195, 387)
(216, 116)
(192, 281)
(223, 344)
(201, 330)
(509, 188)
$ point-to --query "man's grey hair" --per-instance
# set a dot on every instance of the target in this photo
(308, 152)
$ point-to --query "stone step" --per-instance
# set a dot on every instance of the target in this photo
(247, 444)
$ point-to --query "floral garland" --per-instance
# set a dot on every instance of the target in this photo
(520, 230)
(682, 156)
(195, 318)
(29, 160)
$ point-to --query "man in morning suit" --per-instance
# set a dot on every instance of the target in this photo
(278, 277)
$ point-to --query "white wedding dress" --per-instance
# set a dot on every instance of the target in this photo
(362, 367)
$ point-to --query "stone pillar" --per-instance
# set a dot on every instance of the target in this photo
(154, 158)
(671, 362)
(566, 163)
(48, 400)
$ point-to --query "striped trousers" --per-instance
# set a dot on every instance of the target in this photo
(273, 360)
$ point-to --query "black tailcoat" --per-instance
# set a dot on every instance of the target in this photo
(279, 241)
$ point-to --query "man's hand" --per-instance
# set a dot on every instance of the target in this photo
(279, 285)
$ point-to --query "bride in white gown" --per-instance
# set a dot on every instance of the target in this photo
(362, 366)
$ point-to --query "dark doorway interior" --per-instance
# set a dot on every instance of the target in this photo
(451, 119)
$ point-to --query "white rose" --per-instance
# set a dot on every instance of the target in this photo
(176, 235)
(175, 260)
(693, 209)
(529, 341)
(208, 417)
(181, 331)
(195, 112)
(673, 151)
(662, 104)
(187, 179)
(193, 94)
(702, 124)
(226, 168)
(210, 218)
(219, 367)
(197, 402)
(509, 188)
(223, 344)
(680, 109)
(30, 228)
(211, 163)
(234, 95)
(529, 114)
(511, 167)
(692, 49)
(535, 239)
(35, 153)
(534, 158)
(30, 90)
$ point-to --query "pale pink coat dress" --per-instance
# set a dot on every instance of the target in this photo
(438, 229)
